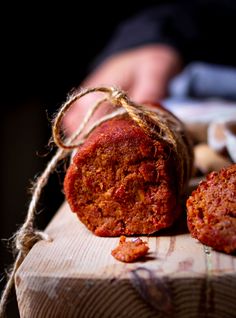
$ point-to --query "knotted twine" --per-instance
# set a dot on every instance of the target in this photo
(170, 131)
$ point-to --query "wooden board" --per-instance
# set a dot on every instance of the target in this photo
(76, 276)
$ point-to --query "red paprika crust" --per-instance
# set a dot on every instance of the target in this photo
(130, 251)
(211, 210)
(122, 182)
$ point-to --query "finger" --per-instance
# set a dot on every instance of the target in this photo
(149, 86)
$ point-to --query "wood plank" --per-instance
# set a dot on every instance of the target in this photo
(76, 276)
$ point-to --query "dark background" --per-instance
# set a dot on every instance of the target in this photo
(45, 52)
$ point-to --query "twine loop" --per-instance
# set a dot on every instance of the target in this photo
(159, 124)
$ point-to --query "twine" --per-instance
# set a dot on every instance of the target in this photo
(161, 125)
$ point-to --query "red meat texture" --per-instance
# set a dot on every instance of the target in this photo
(122, 182)
(211, 210)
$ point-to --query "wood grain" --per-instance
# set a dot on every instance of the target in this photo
(76, 276)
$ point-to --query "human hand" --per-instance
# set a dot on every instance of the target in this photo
(144, 73)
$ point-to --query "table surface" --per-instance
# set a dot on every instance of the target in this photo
(76, 261)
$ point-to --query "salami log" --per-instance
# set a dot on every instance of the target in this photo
(124, 181)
